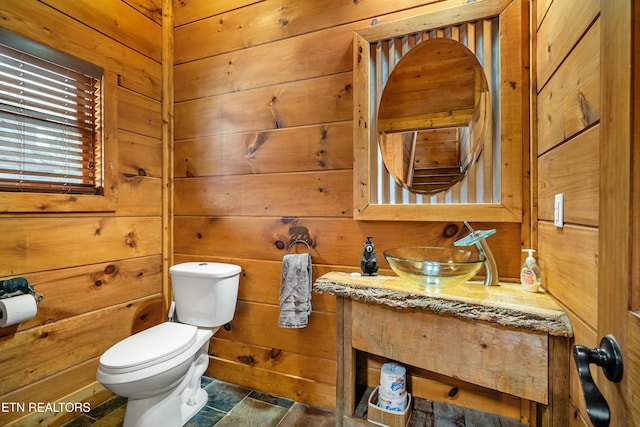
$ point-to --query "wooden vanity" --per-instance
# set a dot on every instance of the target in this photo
(497, 337)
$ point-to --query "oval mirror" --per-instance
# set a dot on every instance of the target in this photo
(433, 116)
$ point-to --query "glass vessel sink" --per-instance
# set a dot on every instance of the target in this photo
(432, 266)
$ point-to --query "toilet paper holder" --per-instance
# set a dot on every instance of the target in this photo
(38, 298)
(18, 286)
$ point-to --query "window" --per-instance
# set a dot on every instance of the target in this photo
(58, 131)
(50, 139)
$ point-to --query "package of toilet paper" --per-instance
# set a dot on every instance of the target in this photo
(392, 382)
(398, 404)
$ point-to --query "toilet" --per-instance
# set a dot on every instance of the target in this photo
(159, 369)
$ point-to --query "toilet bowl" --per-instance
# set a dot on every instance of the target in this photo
(159, 369)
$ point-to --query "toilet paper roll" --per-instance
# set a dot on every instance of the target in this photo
(17, 309)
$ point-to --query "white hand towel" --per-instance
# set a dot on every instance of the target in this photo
(295, 291)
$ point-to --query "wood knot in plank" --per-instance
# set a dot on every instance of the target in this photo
(275, 353)
(247, 360)
(585, 110)
(450, 230)
(131, 239)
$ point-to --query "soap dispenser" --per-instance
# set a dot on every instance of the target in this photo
(530, 273)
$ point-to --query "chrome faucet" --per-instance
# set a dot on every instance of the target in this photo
(477, 238)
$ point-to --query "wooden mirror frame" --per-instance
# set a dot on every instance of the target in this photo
(513, 120)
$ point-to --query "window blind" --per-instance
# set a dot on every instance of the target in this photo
(49, 119)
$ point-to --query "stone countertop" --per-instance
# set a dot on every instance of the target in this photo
(507, 305)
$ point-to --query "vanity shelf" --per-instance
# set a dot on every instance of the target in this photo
(497, 337)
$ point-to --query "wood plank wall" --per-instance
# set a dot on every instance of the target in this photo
(263, 105)
(263, 154)
(568, 138)
(100, 273)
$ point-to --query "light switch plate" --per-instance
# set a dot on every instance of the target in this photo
(558, 211)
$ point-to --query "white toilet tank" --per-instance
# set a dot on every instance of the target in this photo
(205, 292)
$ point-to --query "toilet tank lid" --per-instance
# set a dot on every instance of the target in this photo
(205, 269)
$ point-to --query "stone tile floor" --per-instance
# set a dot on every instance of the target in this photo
(228, 405)
(232, 405)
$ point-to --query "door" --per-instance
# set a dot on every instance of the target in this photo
(619, 236)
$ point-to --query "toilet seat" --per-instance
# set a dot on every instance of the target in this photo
(148, 348)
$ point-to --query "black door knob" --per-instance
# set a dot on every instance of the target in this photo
(609, 358)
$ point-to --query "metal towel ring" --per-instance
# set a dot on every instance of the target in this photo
(300, 241)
